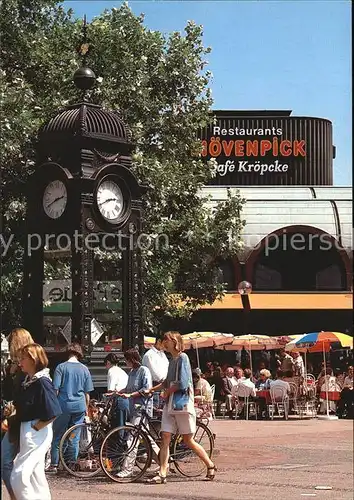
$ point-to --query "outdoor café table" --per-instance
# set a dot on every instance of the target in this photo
(332, 395)
(265, 394)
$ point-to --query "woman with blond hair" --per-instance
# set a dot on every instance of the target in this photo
(178, 386)
(36, 407)
(18, 338)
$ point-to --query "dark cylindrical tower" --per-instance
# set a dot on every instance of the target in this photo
(269, 148)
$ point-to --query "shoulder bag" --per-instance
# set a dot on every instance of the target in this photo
(179, 401)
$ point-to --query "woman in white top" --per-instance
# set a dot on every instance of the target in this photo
(117, 380)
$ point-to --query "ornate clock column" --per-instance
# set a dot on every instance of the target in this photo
(84, 188)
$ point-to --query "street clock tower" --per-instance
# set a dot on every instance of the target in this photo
(83, 188)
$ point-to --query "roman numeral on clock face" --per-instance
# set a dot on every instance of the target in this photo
(110, 200)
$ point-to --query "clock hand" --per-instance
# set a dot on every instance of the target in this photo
(106, 201)
(54, 201)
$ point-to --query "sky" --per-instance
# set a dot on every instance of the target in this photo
(281, 54)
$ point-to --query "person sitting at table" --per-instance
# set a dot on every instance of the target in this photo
(247, 388)
(263, 382)
(209, 372)
(280, 382)
(238, 373)
(237, 366)
(340, 376)
(322, 373)
(229, 381)
(346, 401)
(202, 388)
(327, 383)
(299, 367)
(247, 382)
(289, 376)
(203, 395)
(219, 394)
(224, 367)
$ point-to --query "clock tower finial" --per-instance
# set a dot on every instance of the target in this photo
(84, 77)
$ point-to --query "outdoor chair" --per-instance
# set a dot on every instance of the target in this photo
(297, 401)
(205, 408)
(211, 405)
(293, 398)
(279, 402)
(245, 403)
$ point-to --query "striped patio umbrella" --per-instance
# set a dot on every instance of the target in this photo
(321, 341)
(293, 344)
(317, 341)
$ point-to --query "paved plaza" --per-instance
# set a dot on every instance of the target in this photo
(277, 460)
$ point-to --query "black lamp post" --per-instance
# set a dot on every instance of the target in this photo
(244, 289)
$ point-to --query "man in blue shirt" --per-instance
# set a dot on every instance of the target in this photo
(73, 383)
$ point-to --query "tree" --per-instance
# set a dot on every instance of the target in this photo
(160, 83)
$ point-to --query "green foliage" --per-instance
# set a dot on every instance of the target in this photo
(160, 83)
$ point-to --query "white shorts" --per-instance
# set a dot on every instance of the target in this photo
(178, 424)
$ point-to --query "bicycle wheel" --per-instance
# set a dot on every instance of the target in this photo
(127, 449)
(80, 457)
(185, 460)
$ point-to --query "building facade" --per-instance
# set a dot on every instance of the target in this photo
(297, 238)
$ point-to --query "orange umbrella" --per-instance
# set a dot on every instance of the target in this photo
(148, 342)
(205, 339)
(253, 343)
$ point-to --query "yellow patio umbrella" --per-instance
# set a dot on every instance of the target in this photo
(148, 342)
(205, 339)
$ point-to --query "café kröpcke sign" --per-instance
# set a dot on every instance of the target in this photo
(252, 149)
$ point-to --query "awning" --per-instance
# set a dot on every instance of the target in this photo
(326, 301)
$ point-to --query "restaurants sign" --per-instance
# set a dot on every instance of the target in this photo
(264, 147)
(246, 150)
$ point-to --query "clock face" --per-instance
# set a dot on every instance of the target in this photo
(110, 200)
(55, 198)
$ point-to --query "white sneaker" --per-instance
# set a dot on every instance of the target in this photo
(48, 461)
(124, 474)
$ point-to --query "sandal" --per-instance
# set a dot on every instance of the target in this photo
(211, 476)
(157, 480)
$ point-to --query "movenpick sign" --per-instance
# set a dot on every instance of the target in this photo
(258, 148)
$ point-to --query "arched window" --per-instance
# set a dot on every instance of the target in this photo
(299, 261)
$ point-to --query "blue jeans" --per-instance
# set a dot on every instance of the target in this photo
(8, 453)
(60, 425)
(120, 412)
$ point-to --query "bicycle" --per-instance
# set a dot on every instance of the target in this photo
(138, 445)
(82, 459)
